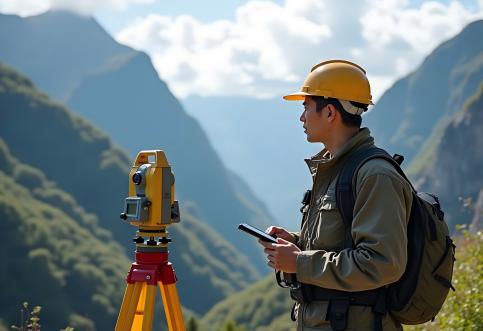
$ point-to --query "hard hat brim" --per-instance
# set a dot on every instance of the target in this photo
(296, 96)
(300, 96)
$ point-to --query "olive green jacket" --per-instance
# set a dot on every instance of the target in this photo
(381, 213)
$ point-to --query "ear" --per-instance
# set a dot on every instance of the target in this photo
(331, 113)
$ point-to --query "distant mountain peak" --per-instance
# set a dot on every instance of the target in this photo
(407, 113)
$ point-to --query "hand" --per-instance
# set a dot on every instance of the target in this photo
(281, 233)
(282, 255)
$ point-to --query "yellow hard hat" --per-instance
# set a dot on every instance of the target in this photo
(336, 79)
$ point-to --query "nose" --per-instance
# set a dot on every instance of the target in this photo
(302, 117)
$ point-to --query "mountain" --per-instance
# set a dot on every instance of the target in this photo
(263, 139)
(455, 172)
(262, 307)
(87, 177)
(38, 46)
(54, 253)
(118, 90)
(408, 112)
(477, 221)
(449, 164)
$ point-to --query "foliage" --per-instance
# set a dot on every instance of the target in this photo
(117, 89)
(57, 261)
(263, 306)
(192, 324)
(231, 326)
(462, 309)
(30, 319)
(454, 180)
(58, 190)
(66, 163)
(81, 323)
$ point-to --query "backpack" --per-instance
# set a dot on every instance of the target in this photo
(421, 291)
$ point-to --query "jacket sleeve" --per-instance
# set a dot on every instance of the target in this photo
(381, 212)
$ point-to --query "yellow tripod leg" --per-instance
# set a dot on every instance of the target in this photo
(139, 312)
(172, 308)
(128, 307)
(121, 319)
(149, 308)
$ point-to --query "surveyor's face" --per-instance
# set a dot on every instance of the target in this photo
(312, 121)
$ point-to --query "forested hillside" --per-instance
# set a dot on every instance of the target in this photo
(58, 168)
(54, 253)
(449, 164)
(455, 170)
(118, 90)
(419, 104)
(266, 307)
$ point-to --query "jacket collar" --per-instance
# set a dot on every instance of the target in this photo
(362, 138)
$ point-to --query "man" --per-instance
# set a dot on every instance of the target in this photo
(334, 95)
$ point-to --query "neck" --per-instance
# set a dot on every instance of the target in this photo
(339, 138)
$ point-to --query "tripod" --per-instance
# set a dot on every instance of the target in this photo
(150, 269)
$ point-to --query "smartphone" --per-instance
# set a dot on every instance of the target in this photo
(256, 232)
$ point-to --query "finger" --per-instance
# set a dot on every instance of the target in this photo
(269, 251)
(282, 241)
(271, 264)
(264, 243)
(271, 230)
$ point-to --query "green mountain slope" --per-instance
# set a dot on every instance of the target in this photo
(407, 113)
(53, 254)
(82, 161)
(455, 170)
(261, 307)
(265, 307)
(118, 90)
(47, 37)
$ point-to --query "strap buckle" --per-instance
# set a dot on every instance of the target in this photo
(306, 198)
(338, 313)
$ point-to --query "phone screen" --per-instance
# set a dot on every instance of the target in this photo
(256, 232)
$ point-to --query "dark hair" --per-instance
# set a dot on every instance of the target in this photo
(347, 118)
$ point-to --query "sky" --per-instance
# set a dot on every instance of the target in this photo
(264, 49)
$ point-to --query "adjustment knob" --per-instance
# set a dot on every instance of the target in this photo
(138, 240)
(164, 240)
(123, 216)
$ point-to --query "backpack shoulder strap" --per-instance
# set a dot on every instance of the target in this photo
(344, 191)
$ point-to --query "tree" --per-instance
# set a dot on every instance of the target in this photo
(231, 326)
(192, 325)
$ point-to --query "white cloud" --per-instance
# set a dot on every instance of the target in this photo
(268, 48)
(422, 29)
(257, 53)
(33, 7)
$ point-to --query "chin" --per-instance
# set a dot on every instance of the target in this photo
(313, 140)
